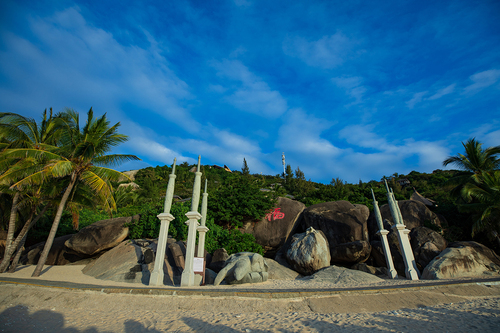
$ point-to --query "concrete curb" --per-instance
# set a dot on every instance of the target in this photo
(247, 293)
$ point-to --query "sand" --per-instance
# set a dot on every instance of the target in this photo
(29, 307)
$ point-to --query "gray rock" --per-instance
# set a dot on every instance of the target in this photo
(309, 252)
(379, 271)
(426, 245)
(120, 264)
(59, 254)
(341, 275)
(279, 272)
(357, 251)
(273, 229)
(466, 259)
(243, 267)
(341, 222)
(218, 260)
(101, 235)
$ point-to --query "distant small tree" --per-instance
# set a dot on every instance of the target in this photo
(245, 169)
(299, 174)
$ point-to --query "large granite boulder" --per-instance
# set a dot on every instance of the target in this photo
(123, 263)
(345, 228)
(279, 272)
(463, 259)
(59, 254)
(343, 276)
(415, 214)
(133, 261)
(218, 260)
(243, 267)
(273, 229)
(309, 252)
(426, 245)
(101, 235)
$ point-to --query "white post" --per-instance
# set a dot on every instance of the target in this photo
(202, 229)
(387, 252)
(156, 278)
(187, 277)
(385, 244)
(411, 271)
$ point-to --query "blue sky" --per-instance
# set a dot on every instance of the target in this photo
(348, 89)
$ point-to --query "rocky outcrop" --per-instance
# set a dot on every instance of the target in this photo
(343, 276)
(279, 272)
(124, 263)
(344, 226)
(463, 259)
(379, 271)
(272, 231)
(426, 245)
(133, 261)
(243, 267)
(59, 254)
(101, 235)
(309, 252)
(218, 260)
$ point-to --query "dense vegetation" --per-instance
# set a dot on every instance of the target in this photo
(467, 198)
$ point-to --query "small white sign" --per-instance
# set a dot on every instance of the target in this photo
(198, 265)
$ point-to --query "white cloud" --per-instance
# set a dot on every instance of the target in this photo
(70, 61)
(301, 132)
(252, 94)
(417, 98)
(442, 92)
(352, 85)
(327, 52)
(482, 80)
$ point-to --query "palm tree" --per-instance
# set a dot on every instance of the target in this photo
(17, 131)
(80, 159)
(483, 200)
(473, 164)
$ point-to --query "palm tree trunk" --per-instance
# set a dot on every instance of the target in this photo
(21, 239)
(53, 229)
(11, 230)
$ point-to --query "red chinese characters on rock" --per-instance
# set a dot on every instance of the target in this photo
(275, 215)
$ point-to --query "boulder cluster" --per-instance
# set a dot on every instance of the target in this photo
(327, 239)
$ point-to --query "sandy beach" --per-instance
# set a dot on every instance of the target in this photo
(79, 303)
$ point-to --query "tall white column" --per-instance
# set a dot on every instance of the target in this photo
(387, 252)
(156, 278)
(383, 235)
(411, 271)
(202, 229)
(187, 277)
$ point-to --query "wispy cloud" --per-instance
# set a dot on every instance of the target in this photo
(327, 52)
(352, 86)
(417, 98)
(88, 65)
(251, 93)
(482, 80)
(442, 92)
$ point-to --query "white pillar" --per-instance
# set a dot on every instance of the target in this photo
(187, 277)
(156, 278)
(202, 229)
(387, 252)
(411, 271)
